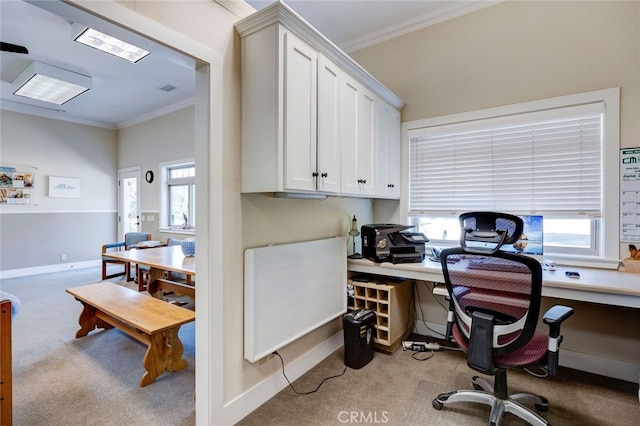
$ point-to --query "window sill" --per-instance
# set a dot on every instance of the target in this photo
(178, 231)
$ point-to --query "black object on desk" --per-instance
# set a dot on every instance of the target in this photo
(386, 242)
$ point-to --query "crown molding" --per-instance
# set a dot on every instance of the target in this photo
(448, 11)
(237, 7)
(278, 13)
(59, 114)
(157, 113)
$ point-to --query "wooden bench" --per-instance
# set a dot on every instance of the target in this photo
(147, 319)
(6, 391)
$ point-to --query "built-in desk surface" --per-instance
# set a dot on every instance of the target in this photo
(594, 285)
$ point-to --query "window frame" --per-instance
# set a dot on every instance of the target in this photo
(165, 207)
(607, 255)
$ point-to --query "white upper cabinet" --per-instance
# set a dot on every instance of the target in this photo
(309, 112)
(300, 114)
(358, 134)
(329, 119)
(388, 152)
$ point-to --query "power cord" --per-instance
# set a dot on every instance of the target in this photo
(542, 375)
(310, 392)
(417, 293)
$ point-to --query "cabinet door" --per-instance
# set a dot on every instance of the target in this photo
(366, 139)
(388, 152)
(349, 94)
(328, 168)
(300, 91)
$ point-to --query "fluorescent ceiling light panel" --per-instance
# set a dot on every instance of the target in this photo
(50, 84)
(111, 45)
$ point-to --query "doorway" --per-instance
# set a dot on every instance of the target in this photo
(129, 200)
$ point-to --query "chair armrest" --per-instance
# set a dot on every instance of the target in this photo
(554, 318)
(105, 247)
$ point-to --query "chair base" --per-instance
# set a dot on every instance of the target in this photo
(485, 394)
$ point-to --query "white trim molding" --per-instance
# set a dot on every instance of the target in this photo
(447, 11)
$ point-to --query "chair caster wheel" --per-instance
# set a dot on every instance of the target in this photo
(544, 407)
(437, 404)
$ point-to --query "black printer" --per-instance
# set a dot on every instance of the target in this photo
(388, 242)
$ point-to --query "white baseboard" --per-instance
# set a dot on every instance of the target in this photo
(237, 409)
(595, 364)
(37, 270)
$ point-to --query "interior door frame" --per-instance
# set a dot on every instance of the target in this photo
(124, 173)
(209, 143)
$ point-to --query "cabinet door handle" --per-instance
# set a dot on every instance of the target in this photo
(314, 174)
(391, 185)
(324, 175)
(362, 181)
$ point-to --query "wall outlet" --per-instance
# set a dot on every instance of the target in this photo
(63, 257)
(264, 360)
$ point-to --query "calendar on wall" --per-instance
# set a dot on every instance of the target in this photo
(15, 186)
(630, 195)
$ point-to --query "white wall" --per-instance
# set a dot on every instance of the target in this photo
(51, 227)
(146, 145)
(523, 51)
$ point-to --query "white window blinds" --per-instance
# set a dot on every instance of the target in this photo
(547, 162)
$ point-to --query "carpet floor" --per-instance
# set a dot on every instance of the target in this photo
(61, 380)
(94, 380)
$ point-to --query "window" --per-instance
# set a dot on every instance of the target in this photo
(178, 195)
(544, 158)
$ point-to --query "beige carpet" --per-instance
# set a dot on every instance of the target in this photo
(94, 380)
(398, 389)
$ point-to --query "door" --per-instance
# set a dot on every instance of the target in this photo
(128, 201)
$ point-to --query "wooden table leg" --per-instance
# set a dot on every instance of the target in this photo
(89, 321)
(154, 359)
(174, 361)
(163, 354)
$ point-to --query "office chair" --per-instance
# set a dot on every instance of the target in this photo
(494, 304)
(130, 239)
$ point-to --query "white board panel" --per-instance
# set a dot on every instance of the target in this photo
(290, 290)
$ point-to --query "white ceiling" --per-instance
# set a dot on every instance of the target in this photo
(122, 94)
(125, 93)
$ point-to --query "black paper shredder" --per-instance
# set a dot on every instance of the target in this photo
(359, 334)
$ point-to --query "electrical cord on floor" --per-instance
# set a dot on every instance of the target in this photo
(310, 392)
(413, 355)
(545, 372)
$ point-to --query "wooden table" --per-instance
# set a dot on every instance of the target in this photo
(146, 319)
(159, 260)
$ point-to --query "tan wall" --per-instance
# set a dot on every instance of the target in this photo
(516, 52)
(250, 220)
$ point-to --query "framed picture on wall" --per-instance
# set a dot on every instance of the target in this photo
(64, 187)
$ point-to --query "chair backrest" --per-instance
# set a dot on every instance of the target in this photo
(173, 241)
(133, 238)
(495, 296)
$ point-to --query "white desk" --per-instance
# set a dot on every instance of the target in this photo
(604, 286)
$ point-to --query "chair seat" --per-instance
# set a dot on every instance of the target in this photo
(531, 353)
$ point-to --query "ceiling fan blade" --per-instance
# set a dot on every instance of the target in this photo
(8, 47)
